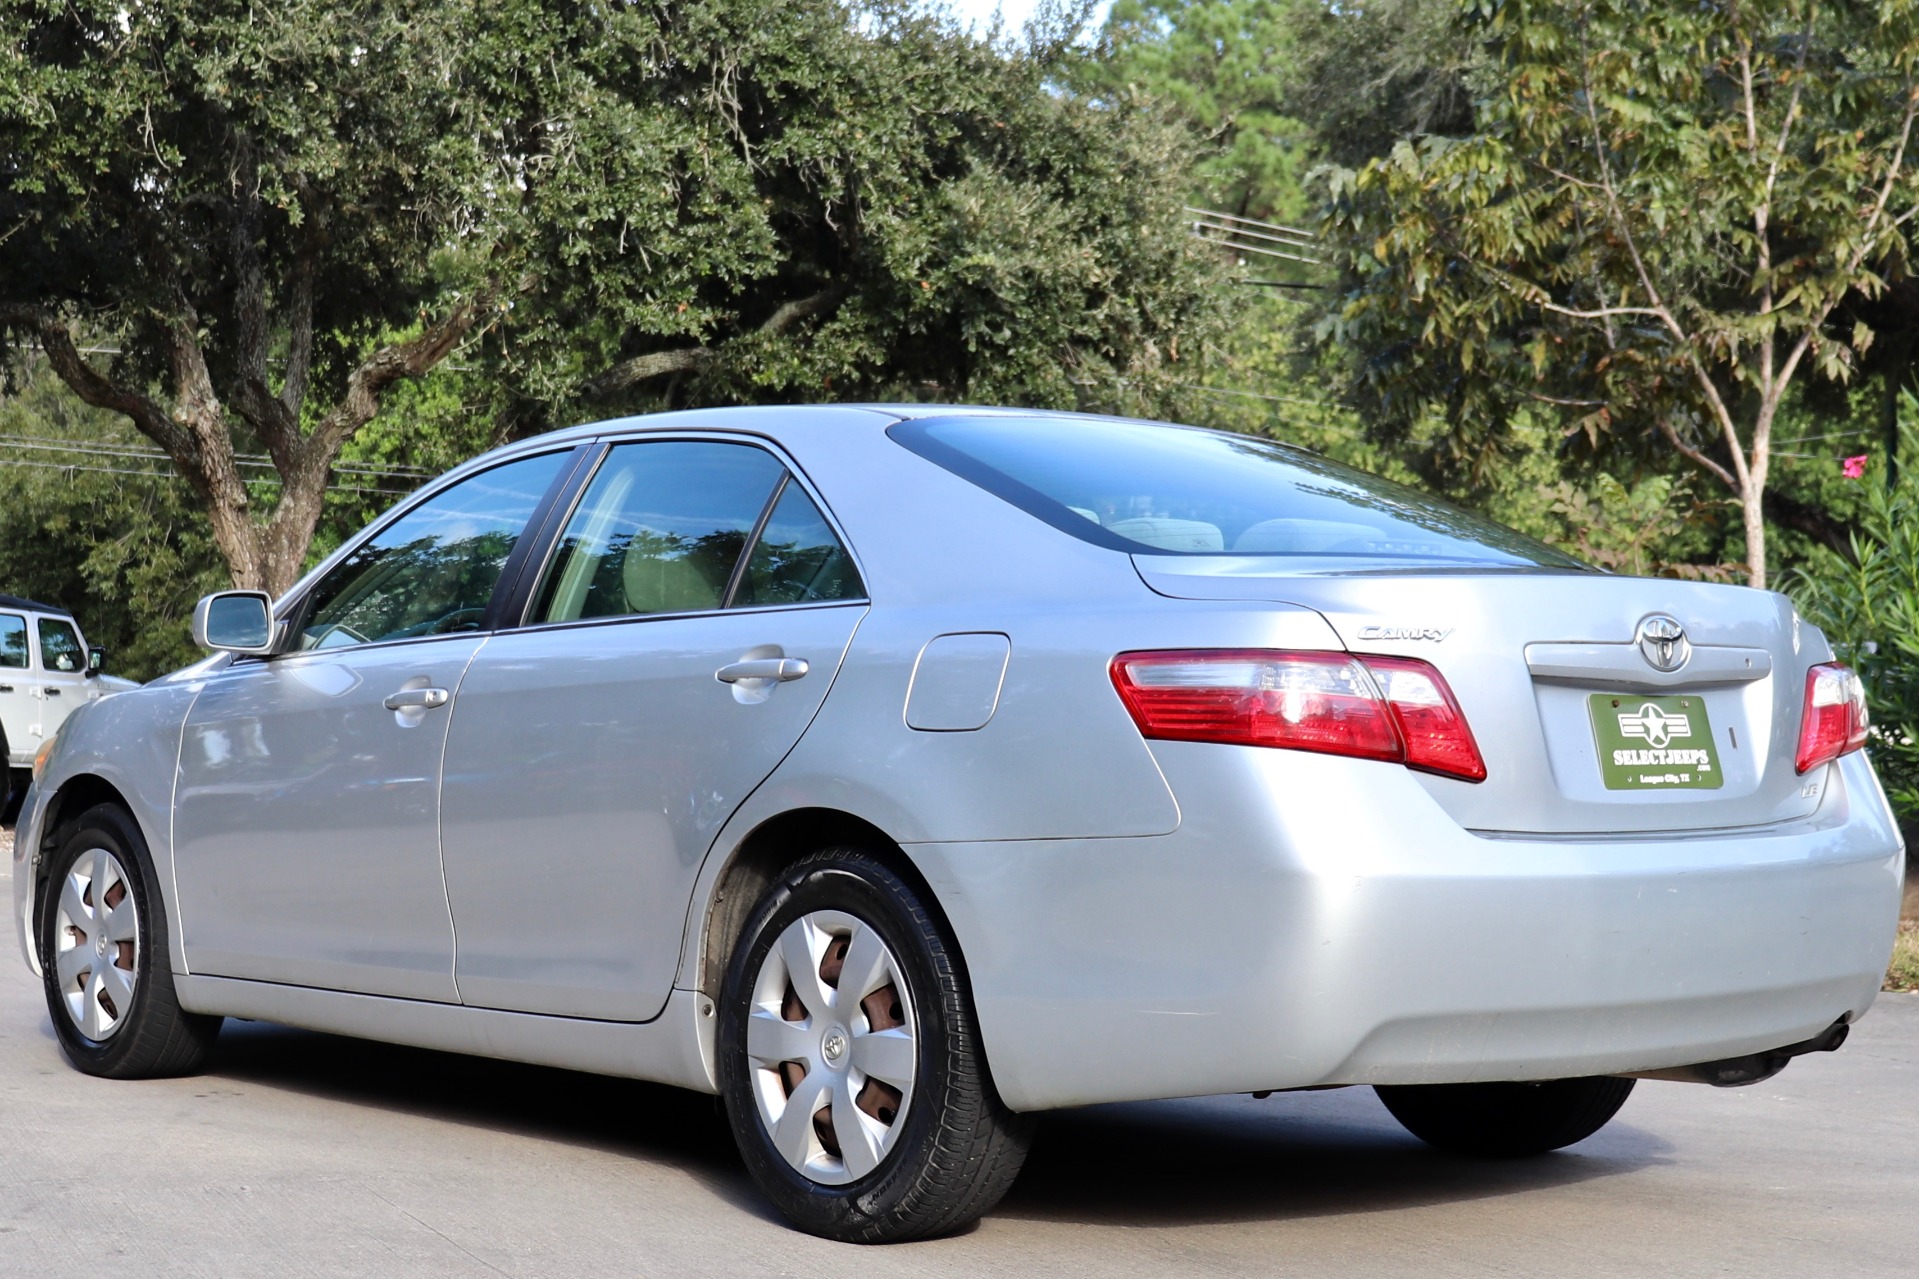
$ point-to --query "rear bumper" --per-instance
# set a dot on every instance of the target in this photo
(1317, 921)
(25, 868)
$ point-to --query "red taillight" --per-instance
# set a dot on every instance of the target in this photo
(1835, 718)
(1388, 708)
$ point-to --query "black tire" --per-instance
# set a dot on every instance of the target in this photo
(1505, 1121)
(9, 811)
(153, 1037)
(958, 1148)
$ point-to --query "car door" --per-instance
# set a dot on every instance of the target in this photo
(687, 627)
(306, 820)
(17, 704)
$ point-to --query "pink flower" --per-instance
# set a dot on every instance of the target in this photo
(1854, 467)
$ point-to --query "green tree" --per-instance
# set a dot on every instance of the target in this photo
(281, 214)
(1222, 67)
(1366, 76)
(884, 207)
(1651, 228)
(244, 198)
(88, 523)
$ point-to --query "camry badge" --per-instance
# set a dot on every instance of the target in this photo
(1662, 642)
(1433, 633)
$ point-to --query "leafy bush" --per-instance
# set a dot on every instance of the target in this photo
(1867, 603)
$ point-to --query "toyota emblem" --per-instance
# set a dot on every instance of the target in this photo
(1662, 642)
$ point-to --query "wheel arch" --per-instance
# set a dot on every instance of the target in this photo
(769, 848)
(75, 795)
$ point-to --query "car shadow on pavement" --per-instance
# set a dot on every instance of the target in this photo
(620, 1116)
(1213, 1159)
(1291, 1155)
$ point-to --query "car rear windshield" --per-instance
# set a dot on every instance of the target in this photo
(1176, 490)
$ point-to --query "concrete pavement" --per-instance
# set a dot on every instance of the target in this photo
(303, 1154)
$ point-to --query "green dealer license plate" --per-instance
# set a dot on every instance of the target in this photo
(1654, 743)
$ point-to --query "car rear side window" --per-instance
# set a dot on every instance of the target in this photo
(13, 641)
(660, 530)
(1171, 490)
(797, 559)
(433, 570)
(60, 646)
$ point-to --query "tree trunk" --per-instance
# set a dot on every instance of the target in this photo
(1752, 507)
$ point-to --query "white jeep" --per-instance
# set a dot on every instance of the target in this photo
(46, 669)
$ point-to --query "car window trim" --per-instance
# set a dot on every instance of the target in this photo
(627, 619)
(543, 528)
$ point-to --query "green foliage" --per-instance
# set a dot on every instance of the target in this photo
(1222, 68)
(128, 553)
(1649, 229)
(1367, 76)
(280, 214)
(156, 158)
(760, 201)
(1867, 603)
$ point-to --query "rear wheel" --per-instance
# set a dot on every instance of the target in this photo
(850, 1063)
(103, 949)
(1506, 1120)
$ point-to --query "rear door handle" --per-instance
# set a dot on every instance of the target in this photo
(427, 698)
(6, 688)
(779, 669)
(52, 692)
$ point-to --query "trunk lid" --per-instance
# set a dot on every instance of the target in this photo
(1581, 732)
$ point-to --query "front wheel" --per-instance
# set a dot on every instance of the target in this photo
(103, 949)
(1506, 1120)
(850, 1062)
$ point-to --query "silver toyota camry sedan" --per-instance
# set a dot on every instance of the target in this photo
(898, 773)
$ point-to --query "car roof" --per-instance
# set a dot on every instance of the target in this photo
(31, 606)
(753, 416)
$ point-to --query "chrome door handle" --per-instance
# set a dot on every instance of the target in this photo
(406, 698)
(779, 669)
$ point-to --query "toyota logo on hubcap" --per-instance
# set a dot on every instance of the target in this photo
(1662, 642)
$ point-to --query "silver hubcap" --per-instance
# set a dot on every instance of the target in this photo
(96, 940)
(830, 1047)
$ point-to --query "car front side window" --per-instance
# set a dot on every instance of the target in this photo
(60, 647)
(432, 571)
(660, 530)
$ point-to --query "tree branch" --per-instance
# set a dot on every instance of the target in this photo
(412, 358)
(95, 388)
(688, 359)
(1699, 459)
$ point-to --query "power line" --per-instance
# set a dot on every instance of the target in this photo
(175, 475)
(260, 460)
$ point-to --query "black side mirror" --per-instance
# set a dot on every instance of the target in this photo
(96, 661)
